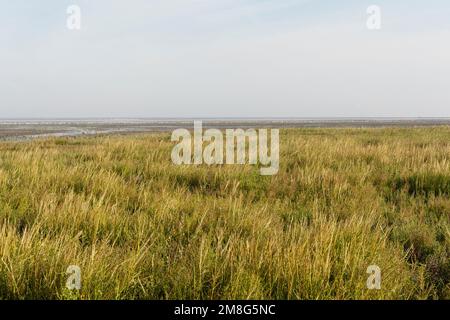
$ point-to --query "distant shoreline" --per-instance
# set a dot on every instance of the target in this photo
(26, 129)
(176, 119)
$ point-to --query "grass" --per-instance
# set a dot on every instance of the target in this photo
(140, 227)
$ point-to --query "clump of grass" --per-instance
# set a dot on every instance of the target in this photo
(423, 184)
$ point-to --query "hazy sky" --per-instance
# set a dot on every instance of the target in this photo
(212, 58)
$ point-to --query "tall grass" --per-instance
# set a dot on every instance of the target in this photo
(140, 227)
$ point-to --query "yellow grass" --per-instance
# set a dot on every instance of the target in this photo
(140, 227)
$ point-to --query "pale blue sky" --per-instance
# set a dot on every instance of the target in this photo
(213, 58)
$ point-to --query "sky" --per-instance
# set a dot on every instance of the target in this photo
(224, 58)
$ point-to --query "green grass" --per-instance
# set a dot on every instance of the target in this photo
(140, 227)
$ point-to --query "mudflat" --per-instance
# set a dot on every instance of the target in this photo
(24, 129)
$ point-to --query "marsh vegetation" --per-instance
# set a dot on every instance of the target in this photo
(140, 227)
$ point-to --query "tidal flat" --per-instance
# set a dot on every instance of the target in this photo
(25, 129)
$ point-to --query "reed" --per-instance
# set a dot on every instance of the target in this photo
(140, 227)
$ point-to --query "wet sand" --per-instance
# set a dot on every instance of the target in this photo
(22, 129)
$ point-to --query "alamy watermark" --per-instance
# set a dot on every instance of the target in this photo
(374, 18)
(74, 280)
(73, 21)
(74, 17)
(208, 147)
(374, 279)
